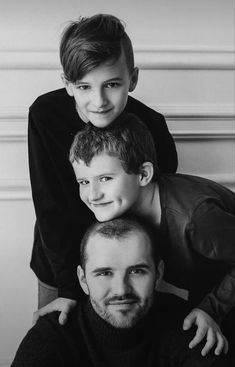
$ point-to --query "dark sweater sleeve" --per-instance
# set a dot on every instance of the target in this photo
(165, 146)
(61, 216)
(213, 237)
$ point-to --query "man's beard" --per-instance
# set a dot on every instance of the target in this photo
(128, 318)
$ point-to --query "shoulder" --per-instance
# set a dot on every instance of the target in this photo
(53, 103)
(198, 190)
(143, 111)
(54, 110)
(46, 343)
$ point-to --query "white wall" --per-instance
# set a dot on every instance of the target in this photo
(184, 49)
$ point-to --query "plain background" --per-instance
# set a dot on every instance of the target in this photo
(185, 51)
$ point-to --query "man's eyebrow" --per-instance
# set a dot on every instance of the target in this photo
(100, 270)
(140, 265)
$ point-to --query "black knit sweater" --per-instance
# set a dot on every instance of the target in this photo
(87, 340)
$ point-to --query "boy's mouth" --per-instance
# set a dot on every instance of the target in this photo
(101, 112)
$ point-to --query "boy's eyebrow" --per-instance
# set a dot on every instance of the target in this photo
(115, 79)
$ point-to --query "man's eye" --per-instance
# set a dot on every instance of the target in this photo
(137, 271)
(83, 182)
(105, 179)
(112, 85)
(104, 274)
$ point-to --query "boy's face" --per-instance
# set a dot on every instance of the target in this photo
(120, 277)
(101, 95)
(106, 188)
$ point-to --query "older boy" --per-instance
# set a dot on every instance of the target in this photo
(122, 321)
(116, 169)
(98, 73)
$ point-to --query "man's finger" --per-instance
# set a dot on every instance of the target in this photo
(198, 337)
(211, 339)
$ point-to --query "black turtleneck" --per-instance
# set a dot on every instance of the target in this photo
(88, 341)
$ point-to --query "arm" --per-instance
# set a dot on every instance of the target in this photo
(213, 238)
(61, 218)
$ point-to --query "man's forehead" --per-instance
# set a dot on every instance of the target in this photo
(129, 249)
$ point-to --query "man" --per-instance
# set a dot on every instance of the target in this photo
(122, 321)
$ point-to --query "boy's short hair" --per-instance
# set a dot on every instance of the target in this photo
(88, 42)
(120, 228)
(127, 138)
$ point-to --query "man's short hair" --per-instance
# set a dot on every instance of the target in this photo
(88, 42)
(120, 228)
(127, 138)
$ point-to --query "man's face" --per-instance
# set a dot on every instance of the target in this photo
(106, 188)
(101, 95)
(120, 277)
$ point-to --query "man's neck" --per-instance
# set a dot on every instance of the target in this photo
(149, 205)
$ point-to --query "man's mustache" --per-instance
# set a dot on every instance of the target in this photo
(129, 297)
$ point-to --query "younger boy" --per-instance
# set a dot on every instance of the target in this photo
(116, 169)
(98, 73)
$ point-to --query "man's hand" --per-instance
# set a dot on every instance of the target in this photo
(64, 305)
(208, 328)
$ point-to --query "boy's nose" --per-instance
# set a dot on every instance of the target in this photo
(94, 193)
(99, 99)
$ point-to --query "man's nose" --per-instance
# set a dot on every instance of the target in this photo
(121, 285)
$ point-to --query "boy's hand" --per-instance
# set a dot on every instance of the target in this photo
(208, 328)
(64, 305)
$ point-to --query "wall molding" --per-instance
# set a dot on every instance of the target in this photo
(5, 362)
(19, 189)
(14, 190)
(13, 121)
(147, 57)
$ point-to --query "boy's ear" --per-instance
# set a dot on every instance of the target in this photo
(146, 173)
(67, 84)
(160, 272)
(82, 279)
(134, 79)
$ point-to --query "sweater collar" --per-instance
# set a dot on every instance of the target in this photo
(114, 337)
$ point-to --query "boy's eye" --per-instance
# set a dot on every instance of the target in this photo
(83, 182)
(112, 85)
(105, 178)
(82, 87)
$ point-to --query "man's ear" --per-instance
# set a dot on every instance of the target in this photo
(134, 79)
(146, 173)
(82, 279)
(68, 86)
(160, 272)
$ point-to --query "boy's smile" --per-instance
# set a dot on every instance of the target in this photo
(101, 95)
(106, 188)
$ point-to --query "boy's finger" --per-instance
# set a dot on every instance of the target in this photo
(201, 332)
(211, 339)
(63, 318)
(35, 317)
(220, 344)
